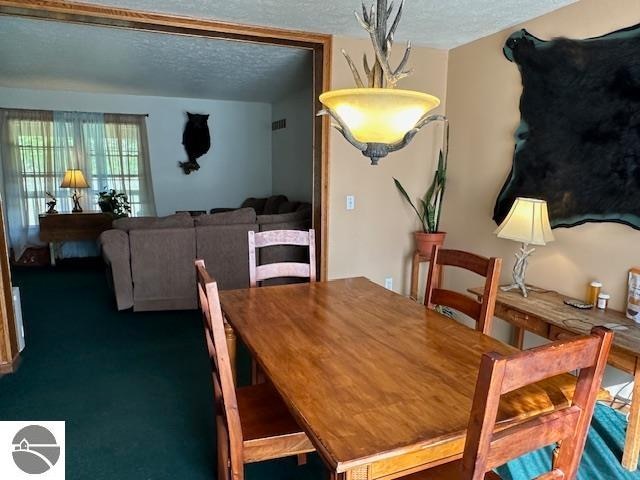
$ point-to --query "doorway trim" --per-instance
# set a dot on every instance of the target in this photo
(319, 44)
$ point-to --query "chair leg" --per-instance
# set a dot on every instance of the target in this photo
(257, 375)
(302, 459)
(223, 457)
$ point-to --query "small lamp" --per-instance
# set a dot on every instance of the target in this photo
(527, 222)
(74, 178)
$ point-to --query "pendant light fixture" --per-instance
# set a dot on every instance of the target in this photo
(376, 117)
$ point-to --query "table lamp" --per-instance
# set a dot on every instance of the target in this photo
(74, 178)
(527, 222)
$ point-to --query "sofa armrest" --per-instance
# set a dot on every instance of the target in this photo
(116, 254)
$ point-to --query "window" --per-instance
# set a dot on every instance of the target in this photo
(37, 147)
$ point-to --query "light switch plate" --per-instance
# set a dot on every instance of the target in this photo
(351, 202)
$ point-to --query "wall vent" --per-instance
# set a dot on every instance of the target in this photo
(279, 124)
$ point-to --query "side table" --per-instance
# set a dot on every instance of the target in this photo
(63, 227)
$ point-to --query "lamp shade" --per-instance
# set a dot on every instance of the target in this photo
(379, 115)
(74, 178)
(527, 222)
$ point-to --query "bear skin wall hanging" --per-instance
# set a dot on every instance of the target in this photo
(578, 143)
(196, 140)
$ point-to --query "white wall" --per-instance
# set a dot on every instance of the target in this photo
(237, 166)
(292, 147)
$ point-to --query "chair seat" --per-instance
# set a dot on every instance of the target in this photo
(268, 429)
(448, 471)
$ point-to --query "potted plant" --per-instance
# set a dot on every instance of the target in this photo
(113, 202)
(430, 210)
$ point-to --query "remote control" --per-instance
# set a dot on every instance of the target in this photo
(572, 302)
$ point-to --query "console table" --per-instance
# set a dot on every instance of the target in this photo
(545, 314)
(64, 227)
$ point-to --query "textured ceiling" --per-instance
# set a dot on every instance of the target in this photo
(62, 56)
(435, 23)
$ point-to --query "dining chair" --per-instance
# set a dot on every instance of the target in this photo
(488, 447)
(481, 312)
(253, 424)
(279, 238)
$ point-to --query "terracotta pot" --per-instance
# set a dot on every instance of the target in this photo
(426, 241)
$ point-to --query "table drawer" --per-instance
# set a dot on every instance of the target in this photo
(519, 319)
(617, 358)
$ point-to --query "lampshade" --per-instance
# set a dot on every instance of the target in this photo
(527, 222)
(379, 115)
(74, 178)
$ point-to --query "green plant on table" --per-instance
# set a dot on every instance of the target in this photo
(111, 201)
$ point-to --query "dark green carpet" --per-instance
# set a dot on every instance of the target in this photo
(134, 389)
(136, 393)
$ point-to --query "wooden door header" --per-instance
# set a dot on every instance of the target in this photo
(159, 22)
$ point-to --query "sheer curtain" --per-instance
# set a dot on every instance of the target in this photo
(37, 147)
(29, 170)
(125, 166)
(77, 135)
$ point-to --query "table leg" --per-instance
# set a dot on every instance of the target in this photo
(52, 254)
(632, 441)
(415, 271)
(517, 339)
(358, 473)
(231, 346)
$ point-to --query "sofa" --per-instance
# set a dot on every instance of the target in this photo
(150, 259)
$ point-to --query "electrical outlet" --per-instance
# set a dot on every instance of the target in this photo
(351, 202)
(388, 283)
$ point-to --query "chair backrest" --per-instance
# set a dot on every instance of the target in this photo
(481, 312)
(229, 431)
(272, 238)
(486, 448)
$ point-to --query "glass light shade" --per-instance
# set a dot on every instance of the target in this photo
(527, 222)
(379, 115)
(74, 178)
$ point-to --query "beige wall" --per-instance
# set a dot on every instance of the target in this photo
(483, 94)
(374, 240)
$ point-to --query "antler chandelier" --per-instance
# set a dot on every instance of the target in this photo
(377, 118)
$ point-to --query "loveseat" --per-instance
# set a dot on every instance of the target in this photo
(150, 259)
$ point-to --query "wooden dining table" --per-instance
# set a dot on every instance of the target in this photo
(381, 384)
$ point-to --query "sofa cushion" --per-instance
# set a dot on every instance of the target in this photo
(178, 220)
(285, 217)
(256, 203)
(288, 207)
(225, 251)
(162, 268)
(239, 216)
(273, 204)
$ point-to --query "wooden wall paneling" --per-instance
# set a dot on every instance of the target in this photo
(8, 335)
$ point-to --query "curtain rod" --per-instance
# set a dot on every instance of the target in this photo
(71, 111)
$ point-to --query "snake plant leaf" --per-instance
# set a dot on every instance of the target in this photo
(431, 218)
(404, 193)
(430, 192)
(425, 216)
